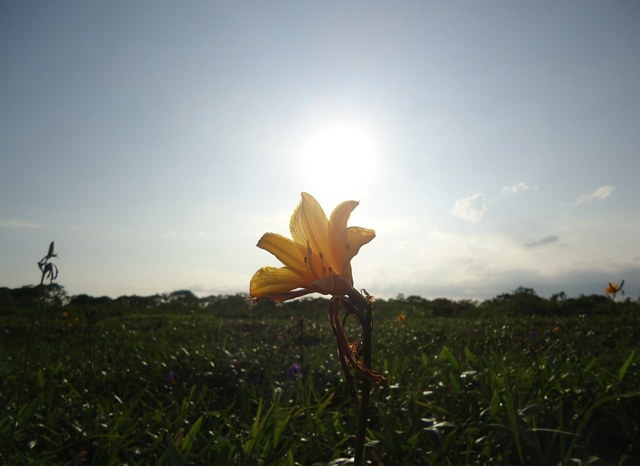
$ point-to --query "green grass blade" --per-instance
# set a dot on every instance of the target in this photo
(623, 370)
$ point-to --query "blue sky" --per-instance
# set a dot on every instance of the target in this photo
(491, 144)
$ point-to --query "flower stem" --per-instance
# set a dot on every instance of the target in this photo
(365, 384)
(27, 357)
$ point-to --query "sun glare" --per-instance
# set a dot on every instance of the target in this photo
(339, 158)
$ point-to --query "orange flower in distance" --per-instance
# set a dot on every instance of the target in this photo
(316, 259)
(613, 289)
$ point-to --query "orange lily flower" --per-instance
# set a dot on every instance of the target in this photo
(316, 259)
(613, 289)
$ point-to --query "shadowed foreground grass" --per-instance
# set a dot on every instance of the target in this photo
(183, 384)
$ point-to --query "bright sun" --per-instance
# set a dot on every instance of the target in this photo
(339, 160)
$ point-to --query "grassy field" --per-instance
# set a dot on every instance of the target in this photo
(516, 380)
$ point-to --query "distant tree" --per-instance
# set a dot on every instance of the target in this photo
(26, 294)
(237, 303)
(135, 301)
(467, 306)
(51, 294)
(443, 307)
(415, 299)
(183, 296)
(81, 300)
(592, 304)
(210, 301)
(526, 301)
(6, 296)
(522, 301)
(86, 300)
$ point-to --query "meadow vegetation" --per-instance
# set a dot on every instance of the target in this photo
(175, 379)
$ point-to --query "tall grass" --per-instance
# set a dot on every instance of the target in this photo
(180, 384)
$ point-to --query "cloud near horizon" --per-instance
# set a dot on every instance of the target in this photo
(18, 224)
(470, 208)
(599, 194)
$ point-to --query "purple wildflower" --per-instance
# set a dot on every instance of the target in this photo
(172, 377)
(295, 370)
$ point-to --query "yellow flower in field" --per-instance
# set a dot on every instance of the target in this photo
(613, 289)
(401, 317)
(316, 259)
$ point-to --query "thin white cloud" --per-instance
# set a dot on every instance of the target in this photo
(518, 187)
(470, 208)
(599, 194)
(18, 224)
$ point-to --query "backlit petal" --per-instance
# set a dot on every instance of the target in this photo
(287, 251)
(309, 224)
(356, 238)
(338, 235)
(274, 280)
(340, 215)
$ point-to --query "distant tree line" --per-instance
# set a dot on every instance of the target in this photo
(521, 301)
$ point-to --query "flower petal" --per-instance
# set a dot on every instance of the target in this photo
(340, 215)
(356, 238)
(287, 251)
(274, 280)
(309, 224)
(337, 233)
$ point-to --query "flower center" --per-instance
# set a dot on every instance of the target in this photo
(317, 268)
